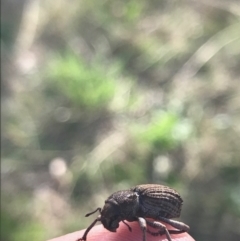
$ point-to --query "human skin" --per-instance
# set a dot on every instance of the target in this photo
(99, 233)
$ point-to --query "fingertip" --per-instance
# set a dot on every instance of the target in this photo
(99, 233)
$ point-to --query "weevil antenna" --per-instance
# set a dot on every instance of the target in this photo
(129, 228)
(98, 209)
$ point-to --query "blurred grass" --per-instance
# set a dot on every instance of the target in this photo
(87, 86)
(161, 133)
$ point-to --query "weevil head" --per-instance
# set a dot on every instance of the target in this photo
(121, 205)
(110, 215)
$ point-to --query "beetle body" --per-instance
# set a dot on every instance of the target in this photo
(138, 203)
(158, 201)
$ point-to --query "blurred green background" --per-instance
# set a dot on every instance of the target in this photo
(99, 96)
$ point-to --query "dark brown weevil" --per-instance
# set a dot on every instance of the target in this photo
(138, 203)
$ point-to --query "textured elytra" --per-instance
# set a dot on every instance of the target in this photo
(158, 201)
(139, 203)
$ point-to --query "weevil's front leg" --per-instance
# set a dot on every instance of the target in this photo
(161, 227)
(143, 226)
(176, 224)
(84, 237)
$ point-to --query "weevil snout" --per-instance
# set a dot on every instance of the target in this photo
(110, 224)
(110, 216)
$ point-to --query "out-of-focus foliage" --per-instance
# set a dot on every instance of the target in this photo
(85, 86)
(164, 132)
(99, 96)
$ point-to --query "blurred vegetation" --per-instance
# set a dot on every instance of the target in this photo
(99, 96)
(84, 86)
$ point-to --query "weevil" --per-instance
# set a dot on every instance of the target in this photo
(141, 203)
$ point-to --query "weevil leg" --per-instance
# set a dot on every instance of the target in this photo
(143, 226)
(84, 237)
(129, 228)
(161, 227)
(163, 232)
(155, 233)
(175, 231)
(176, 224)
